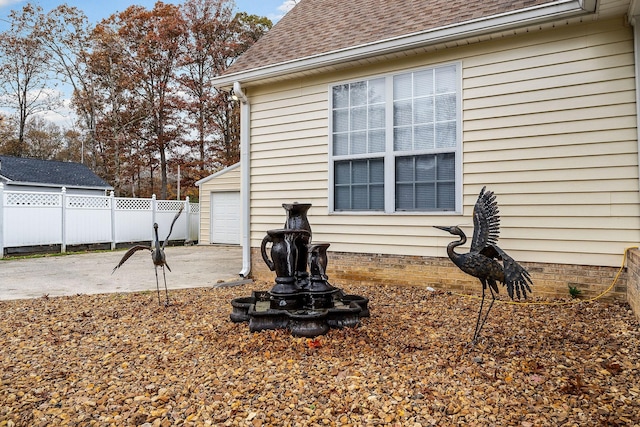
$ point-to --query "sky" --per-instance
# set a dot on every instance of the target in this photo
(97, 10)
(100, 9)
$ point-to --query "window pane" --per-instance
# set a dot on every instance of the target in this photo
(340, 120)
(426, 196)
(423, 137)
(402, 115)
(376, 116)
(404, 196)
(446, 79)
(358, 143)
(341, 96)
(359, 172)
(342, 171)
(359, 185)
(446, 135)
(362, 124)
(359, 118)
(340, 144)
(360, 197)
(446, 107)
(431, 185)
(423, 110)
(358, 93)
(402, 139)
(376, 91)
(376, 197)
(343, 198)
(423, 83)
(446, 167)
(446, 195)
(425, 168)
(376, 173)
(402, 86)
(376, 141)
(404, 169)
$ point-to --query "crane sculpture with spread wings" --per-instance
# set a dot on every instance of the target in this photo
(482, 260)
(157, 255)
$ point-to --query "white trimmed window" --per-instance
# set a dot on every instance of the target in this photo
(395, 143)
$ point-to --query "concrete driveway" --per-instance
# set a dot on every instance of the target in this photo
(90, 273)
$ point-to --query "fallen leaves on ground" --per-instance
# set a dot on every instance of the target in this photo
(122, 359)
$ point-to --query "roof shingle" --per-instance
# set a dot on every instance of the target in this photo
(36, 171)
(316, 27)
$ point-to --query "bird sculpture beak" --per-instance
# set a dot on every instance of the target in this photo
(447, 229)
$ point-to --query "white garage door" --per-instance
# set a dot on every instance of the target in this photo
(225, 218)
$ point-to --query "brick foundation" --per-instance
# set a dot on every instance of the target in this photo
(633, 281)
(550, 280)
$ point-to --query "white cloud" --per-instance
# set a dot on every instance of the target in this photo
(285, 7)
(63, 115)
(4, 3)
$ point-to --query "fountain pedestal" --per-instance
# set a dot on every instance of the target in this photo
(302, 301)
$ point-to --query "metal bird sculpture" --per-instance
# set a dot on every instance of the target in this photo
(482, 259)
(157, 256)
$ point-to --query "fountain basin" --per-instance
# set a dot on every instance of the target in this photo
(258, 310)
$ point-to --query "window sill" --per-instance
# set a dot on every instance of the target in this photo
(399, 213)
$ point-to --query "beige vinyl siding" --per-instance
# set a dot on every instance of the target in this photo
(548, 124)
(228, 181)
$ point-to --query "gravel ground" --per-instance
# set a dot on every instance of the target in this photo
(121, 359)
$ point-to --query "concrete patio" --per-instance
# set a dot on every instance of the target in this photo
(90, 273)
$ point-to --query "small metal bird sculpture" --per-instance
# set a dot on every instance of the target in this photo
(157, 255)
(482, 259)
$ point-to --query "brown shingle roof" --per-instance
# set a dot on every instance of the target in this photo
(315, 27)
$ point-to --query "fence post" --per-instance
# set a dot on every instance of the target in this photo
(1, 220)
(187, 209)
(63, 246)
(113, 220)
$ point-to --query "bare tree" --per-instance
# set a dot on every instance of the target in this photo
(66, 35)
(25, 85)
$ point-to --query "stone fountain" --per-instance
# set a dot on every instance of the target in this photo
(302, 299)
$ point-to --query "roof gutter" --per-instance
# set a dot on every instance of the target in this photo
(57, 186)
(245, 177)
(473, 28)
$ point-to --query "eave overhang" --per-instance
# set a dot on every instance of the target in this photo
(217, 174)
(475, 28)
(40, 184)
(634, 11)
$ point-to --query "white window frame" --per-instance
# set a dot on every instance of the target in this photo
(390, 155)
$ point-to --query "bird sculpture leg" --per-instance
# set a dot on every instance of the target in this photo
(475, 332)
(166, 291)
(157, 284)
(479, 324)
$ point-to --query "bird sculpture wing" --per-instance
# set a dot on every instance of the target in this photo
(516, 278)
(486, 221)
(175, 218)
(128, 254)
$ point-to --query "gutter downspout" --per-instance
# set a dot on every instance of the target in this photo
(633, 20)
(245, 178)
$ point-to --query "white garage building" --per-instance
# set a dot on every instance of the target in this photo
(220, 208)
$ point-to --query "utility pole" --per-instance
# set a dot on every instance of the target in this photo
(178, 196)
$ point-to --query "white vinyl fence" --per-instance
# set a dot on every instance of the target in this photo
(41, 219)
